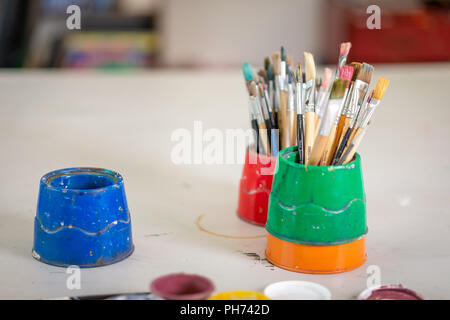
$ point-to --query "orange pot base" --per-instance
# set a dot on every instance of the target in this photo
(315, 259)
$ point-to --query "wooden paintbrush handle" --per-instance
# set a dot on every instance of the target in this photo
(317, 151)
(317, 122)
(309, 135)
(292, 127)
(282, 120)
(355, 146)
(340, 127)
(353, 134)
(344, 129)
(329, 152)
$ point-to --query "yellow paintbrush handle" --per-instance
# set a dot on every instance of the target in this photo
(355, 146)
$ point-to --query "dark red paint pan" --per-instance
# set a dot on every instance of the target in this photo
(389, 292)
(182, 286)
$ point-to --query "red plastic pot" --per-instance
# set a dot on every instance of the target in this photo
(255, 186)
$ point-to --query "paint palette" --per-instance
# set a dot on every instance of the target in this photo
(297, 290)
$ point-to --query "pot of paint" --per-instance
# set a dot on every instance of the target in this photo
(255, 186)
(82, 218)
(317, 216)
(239, 295)
(389, 292)
(181, 286)
(297, 290)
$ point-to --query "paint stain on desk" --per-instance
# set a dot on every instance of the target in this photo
(201, 228)
(156, 234)
(256, 257)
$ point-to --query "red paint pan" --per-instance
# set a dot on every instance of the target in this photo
(255, 186)
(181, 286)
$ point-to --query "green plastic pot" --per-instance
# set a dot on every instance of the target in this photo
(316, 205)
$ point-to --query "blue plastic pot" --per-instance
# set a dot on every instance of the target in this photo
(82, 218)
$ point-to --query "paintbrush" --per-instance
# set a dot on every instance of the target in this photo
(248, 77)
(351, 150)
(298, 107)
(271, 90)
(276, 60)
(308, 88)
(267, 103)
(361, 87)
(343, 53)
(358, 93)
(282, 115)
(291, 112)
(345, 73)
(265, 149)
(365, 115)
(367, 112)
(348, 110)
(322, 97)
(264, 101)
(331, 113)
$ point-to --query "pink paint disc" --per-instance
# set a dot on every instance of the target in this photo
(182, 286)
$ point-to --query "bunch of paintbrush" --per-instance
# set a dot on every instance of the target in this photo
(325, 118)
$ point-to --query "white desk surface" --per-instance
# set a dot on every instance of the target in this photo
(123, 121)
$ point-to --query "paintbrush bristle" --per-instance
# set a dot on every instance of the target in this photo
(283, 54)
(253, 89)
(290, 61)
(346, 73)
(310, 66)
(270, 72)
(338, 90)
(298, 72)
(263, 74)
(345, 48)
(356, 67)
(365, 74)
(266, 63)
(381, 87)
(247, 71)
(326, 78)
(276, 58)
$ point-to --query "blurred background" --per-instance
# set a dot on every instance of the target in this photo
(204, 33)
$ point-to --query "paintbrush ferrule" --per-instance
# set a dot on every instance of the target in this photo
(257, 109)
(277, 85)
(308, 100)
(347, 110)
(367, 113)
(361, 88)
(291, 97)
